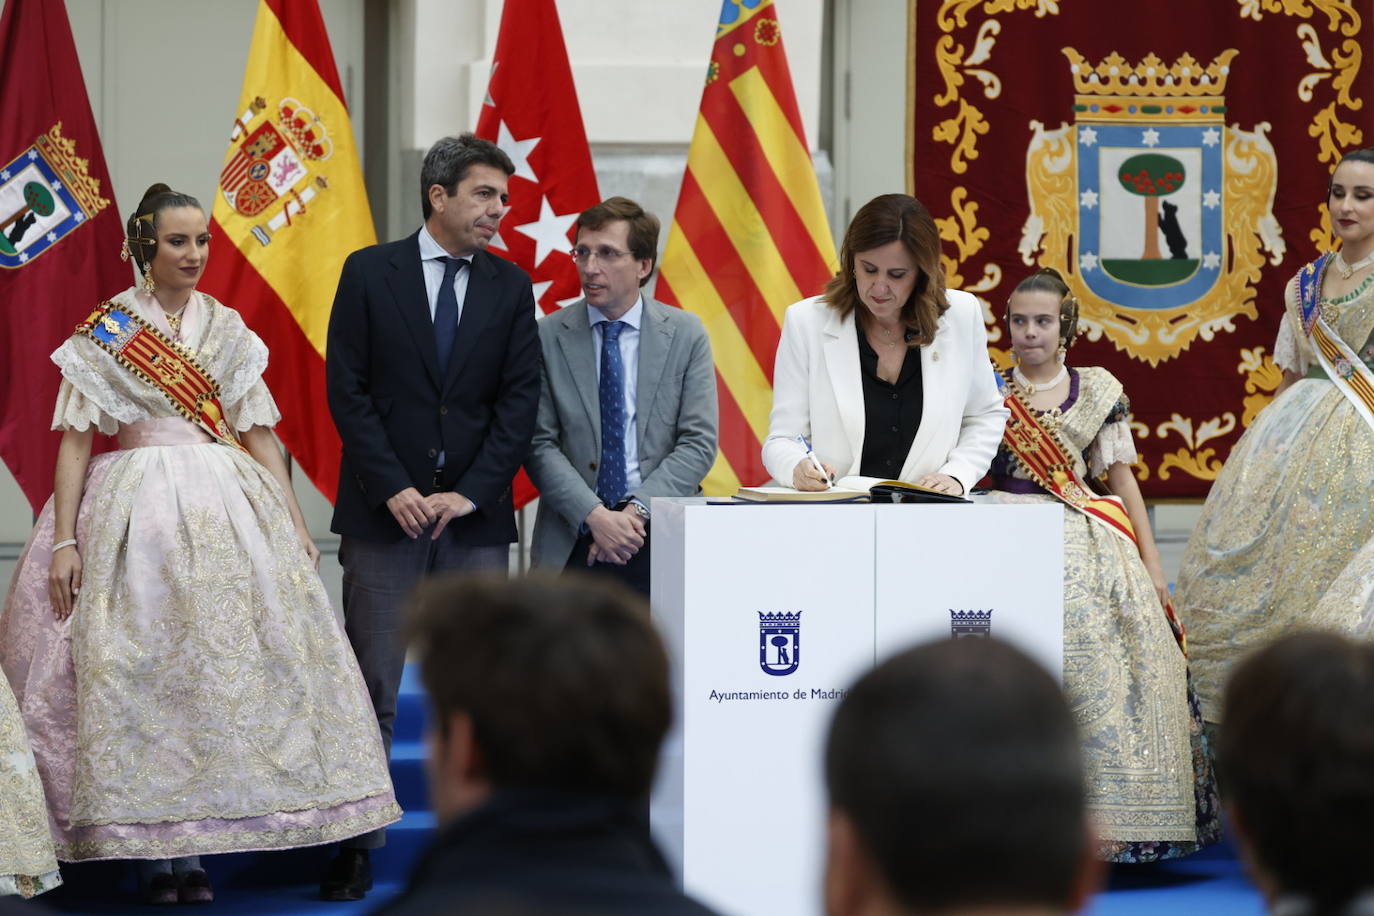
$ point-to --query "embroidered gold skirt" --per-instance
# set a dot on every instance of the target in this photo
(27, 864)
(1281, 523)
(1127, 682)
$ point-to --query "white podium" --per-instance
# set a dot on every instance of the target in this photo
(770, 612)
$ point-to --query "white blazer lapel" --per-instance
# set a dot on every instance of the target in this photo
(842, 361)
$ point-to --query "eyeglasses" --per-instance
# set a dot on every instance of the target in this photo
(605, 254)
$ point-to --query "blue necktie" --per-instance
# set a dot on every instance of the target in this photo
(446, 312)
(610, 475)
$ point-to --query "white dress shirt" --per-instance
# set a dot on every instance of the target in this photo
(431, 255)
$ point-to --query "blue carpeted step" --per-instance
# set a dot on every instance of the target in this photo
(411, 707)
(408, 775)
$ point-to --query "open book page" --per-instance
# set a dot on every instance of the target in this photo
(835, 494)
(867, 483)
(846, 489)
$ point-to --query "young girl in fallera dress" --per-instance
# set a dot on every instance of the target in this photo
(1150, 786)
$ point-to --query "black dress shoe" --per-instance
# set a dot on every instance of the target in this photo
(160, 890)
(194, 887)
(349, 876)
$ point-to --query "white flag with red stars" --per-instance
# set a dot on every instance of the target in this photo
(531, 112)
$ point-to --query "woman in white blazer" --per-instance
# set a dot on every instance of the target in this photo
(886, 373)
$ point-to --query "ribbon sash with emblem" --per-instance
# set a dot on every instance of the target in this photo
(1051, 465)
(1341, 364)
(144, 351)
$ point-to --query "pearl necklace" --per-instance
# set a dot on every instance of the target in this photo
(1030, 387)
(1346, 270)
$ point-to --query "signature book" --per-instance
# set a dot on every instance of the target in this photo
(849, 490)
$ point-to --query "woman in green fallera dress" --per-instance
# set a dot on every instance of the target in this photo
(1293, 504)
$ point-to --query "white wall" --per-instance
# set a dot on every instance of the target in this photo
(869, 78)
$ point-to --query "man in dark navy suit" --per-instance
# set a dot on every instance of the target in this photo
(433, 379)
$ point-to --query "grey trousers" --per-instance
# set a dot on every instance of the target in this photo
(378, 580)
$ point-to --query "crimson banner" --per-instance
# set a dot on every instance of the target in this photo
(1169, 158)
(59, 229)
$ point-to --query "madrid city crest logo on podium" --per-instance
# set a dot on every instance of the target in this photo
(1152, 208)
(779, 642)
(970, 624)
(46, 193)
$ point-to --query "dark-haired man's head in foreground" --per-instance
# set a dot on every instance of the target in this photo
(549, 698)
(539, 683)
(956, 783)
(1296, 756)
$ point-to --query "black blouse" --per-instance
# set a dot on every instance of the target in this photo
(892, 412)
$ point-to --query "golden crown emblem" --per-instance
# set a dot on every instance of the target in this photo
(1151, 78)
(60, 152)
(304, 130)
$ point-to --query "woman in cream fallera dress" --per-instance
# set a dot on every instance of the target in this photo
(1281, 543)
(201, 696)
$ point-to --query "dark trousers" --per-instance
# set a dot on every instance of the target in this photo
(635, 573)
(377, 582)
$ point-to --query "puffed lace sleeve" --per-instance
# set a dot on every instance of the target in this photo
(1290, 353)
(255, 408)
(76, 411)
(1113, 442)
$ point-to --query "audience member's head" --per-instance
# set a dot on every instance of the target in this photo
(956, 781)
(1296, 757)
(544, 683)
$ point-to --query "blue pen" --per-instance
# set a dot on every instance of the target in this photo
(815, 461)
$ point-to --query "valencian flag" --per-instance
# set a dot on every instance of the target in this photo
(1170, 159)
(289, 208)
(531, 112)
(60, 231)
(750, 236)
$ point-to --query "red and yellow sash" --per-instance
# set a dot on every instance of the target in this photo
(1342, 365)
(1043, 456)
(141, 348)
(1051, 466)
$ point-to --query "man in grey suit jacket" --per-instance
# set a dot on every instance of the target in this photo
(653, 390)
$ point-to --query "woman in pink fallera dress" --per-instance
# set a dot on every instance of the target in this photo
(185, 685)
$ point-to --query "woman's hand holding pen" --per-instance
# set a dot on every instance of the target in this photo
(810, 474)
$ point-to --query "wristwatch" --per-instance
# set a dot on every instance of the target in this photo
(638, 506)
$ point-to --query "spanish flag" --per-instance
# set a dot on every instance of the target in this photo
(750, 236)
(289, 208)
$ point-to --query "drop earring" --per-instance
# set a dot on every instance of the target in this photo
(149, 286)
